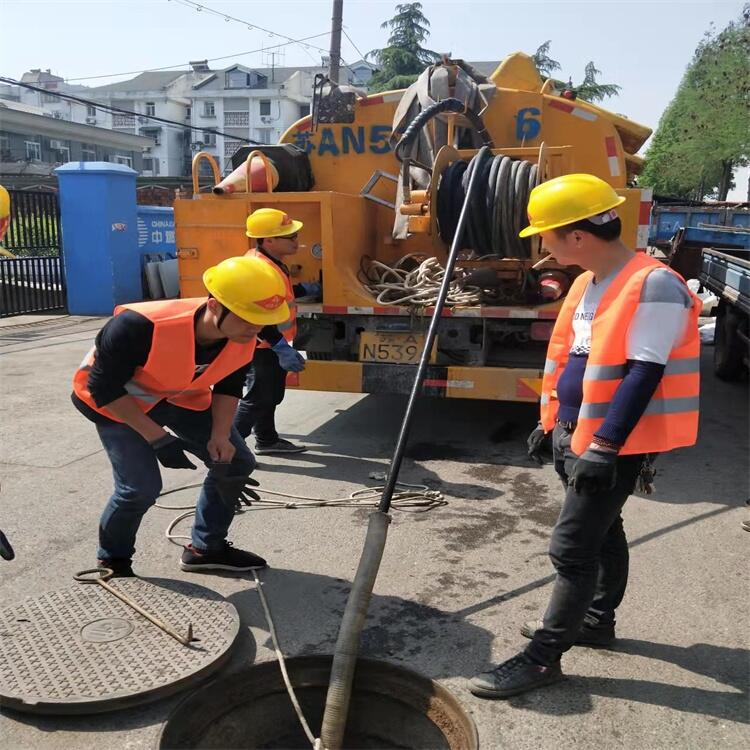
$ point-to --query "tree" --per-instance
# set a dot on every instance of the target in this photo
(544, 63)
(588, 89)
(703, 134)
(404, 58)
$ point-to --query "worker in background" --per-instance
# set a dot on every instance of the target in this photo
(179, 364)
(275, 235)
(621, 382)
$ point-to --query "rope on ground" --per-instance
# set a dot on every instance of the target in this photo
(414, 280)
(412, 498)
(282, 663)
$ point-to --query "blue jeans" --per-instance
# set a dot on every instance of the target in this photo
(138, 480)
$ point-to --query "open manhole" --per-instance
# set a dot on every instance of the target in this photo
(391, 707)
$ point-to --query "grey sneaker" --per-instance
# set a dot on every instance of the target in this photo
(600, 636)
(513, 677)
(280, 446)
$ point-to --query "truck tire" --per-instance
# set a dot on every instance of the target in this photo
(728, 346)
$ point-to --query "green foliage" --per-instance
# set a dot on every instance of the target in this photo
(401, 62)
(589, 89)
(544, 63)
(703, 133)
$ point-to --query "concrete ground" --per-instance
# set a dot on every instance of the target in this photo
(455, 583)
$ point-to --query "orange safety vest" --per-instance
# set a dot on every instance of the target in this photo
(671, 417)
(170, 369)
(288, 329)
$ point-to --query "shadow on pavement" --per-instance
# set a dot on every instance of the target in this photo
(307, 609)
(725, 665)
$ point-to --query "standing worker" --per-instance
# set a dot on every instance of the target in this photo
(621, 382)
(179, 364)
(275, 235)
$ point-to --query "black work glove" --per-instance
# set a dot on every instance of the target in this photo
(595, 471)
(170, 451)
(234, 490)
(536, 442)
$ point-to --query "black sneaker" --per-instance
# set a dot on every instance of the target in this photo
(121, 567)
(228, 558)
(595, 636)
(279, 446)
(515, 676)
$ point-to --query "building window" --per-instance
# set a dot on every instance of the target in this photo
(188, 113)
(122, 159)
(151, 108)
(208, 109)
(88, 153)
(33, 151)
(236, 79)
(236, 119)
(61, 151)
(90, 111)
(265, 107)
(304, 110)
(4, 148)
(150, 164)
(259, 81)
(48, 98)
(209, 138)
(263, 135)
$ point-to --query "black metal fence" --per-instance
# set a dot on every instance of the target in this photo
(34, 223)
(33, 281)
(29, 285)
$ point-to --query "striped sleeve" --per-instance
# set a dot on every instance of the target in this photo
(660, 321)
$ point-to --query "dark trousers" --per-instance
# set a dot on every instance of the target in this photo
(590, 554)
(265, 385)
(137, 477)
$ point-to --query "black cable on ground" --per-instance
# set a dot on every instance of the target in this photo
(497, 211)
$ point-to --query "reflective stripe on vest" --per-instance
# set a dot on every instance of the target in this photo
(671, 418)
(169, 372)
(288, 328)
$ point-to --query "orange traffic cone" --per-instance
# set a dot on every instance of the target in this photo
(264, 177)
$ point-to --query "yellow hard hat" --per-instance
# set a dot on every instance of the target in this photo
(250, 288)
(270, 222)
(4, 202)
(567, 199)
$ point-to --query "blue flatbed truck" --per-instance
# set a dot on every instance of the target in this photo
(726, 272)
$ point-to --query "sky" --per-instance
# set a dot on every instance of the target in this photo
(642, 46)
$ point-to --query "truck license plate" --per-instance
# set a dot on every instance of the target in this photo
(395, 348)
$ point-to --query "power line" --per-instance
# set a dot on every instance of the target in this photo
(250, 25)
(211, 59)
(120, 111)
(357, 49)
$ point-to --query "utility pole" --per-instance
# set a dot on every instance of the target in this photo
(335, 55)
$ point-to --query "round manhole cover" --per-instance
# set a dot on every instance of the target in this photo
(81, 650)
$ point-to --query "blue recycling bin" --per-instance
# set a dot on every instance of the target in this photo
(100, 236)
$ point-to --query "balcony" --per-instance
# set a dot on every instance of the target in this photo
(123, 121)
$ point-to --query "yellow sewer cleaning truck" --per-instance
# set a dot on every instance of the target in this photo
(379, 181)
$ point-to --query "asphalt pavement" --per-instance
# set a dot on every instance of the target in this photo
(455, 583)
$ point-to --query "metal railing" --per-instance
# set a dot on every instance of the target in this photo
(34, 281)
(29, 285)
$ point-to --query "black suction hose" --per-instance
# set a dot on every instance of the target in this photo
(497, 211)
(445, 105)
(347, 645)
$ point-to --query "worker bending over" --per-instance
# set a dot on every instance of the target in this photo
(621, 381)
(179, 364)
(275, 235)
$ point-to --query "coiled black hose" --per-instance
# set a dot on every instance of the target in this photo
(445, 105)
(497, 212)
